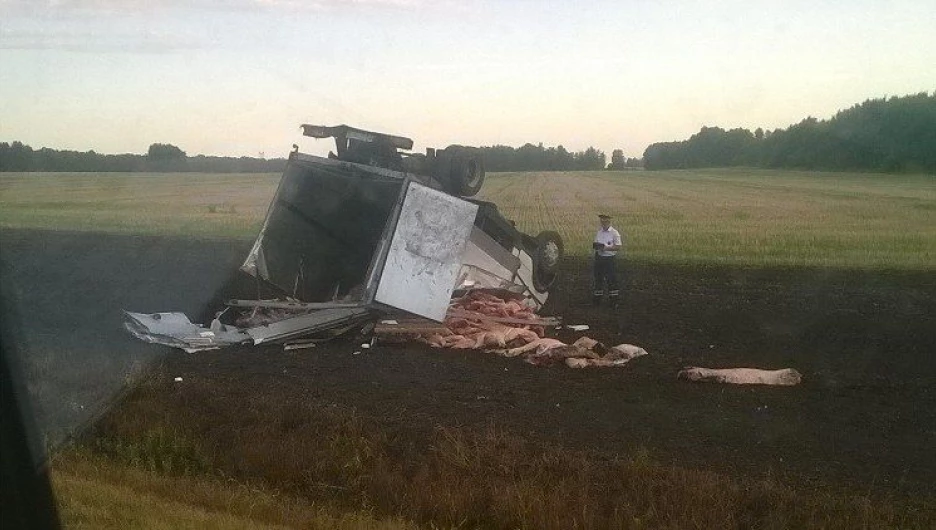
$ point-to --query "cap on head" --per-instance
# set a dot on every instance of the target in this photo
(604, 216)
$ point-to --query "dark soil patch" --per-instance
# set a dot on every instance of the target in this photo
(865, 415)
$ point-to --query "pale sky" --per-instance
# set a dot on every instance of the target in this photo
(239, 77)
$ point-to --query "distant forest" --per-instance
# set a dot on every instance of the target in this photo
(531, 157)
(169, 158)
(887, 135)
(159, 157)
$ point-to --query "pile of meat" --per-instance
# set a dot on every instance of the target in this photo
(475, 322)
(483, 321)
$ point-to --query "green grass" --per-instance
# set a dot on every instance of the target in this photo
(723, 216)
(97, 492)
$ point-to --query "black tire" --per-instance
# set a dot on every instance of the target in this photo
(466, 175)
(546, 257)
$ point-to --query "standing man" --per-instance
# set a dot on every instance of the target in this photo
(607, 244)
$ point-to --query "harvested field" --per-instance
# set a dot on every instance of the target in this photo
(739, 217)
(742, 217)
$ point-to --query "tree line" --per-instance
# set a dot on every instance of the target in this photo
(896, 134)
(529, 157)
(160, 157)
(17, 156)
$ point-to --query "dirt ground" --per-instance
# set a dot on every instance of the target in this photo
(865, 415)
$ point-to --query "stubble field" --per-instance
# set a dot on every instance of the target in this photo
(829, 273)
(722, 216)
(736, 217)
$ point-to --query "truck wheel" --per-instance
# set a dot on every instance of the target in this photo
(546, 257)
(467, 174)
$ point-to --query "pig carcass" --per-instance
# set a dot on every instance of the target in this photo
(742, 376)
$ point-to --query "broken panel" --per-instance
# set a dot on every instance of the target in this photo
(425, 252)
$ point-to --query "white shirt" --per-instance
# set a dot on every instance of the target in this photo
(608, 237)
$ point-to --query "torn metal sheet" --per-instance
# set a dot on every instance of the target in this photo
(425, 252)
(486, 264)
(296, 306)
(177, 331)
(306, 324)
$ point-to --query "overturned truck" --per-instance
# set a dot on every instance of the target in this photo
(375, 228)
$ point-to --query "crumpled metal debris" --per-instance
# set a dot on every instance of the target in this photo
(177, 331)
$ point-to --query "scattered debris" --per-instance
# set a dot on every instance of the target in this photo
(406, 328)
(578, 327)
(176, 330)
(306, 324)
(298, 345)
(742, 376)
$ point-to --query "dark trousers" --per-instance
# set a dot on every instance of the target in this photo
(606, 273)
